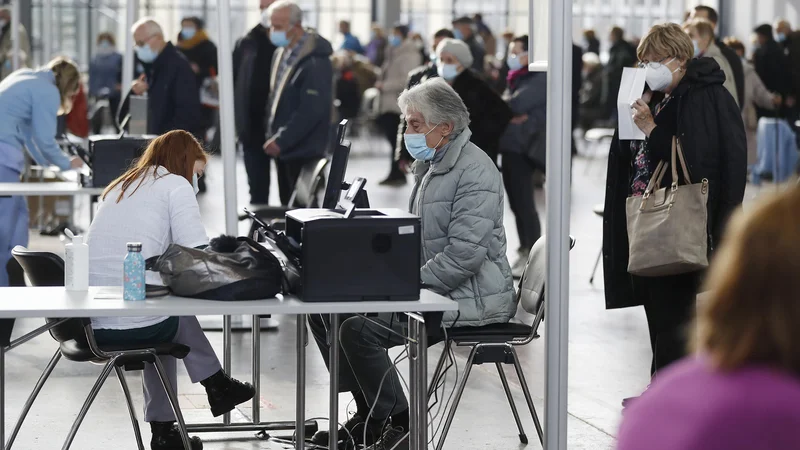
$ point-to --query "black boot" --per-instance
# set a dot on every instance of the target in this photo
(167, 437)
(224, 393)
(351, 435)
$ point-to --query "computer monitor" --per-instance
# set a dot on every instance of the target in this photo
(338, 167)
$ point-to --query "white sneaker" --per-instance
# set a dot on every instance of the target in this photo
(519, 266)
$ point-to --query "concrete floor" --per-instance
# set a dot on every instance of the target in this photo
(609, 352)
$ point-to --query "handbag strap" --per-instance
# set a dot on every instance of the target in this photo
(655, 179)
(677, 150)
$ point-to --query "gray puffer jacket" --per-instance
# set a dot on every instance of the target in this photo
(460, 202)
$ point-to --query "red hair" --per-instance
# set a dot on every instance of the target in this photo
(177, 151)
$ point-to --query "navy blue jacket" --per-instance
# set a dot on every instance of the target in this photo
(173, 99)
(303, 101)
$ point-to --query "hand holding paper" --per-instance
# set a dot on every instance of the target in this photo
(630, 89)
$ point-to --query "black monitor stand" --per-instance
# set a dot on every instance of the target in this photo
(361, 200)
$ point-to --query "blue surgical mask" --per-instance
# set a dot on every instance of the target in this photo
(188, 33)
(448, 71)
(278, 38)
(417, 145)
(696, 48)
(514, 62)
(146, 54)
(780, 37)
(395, 41)
(458, 34)
(105, 45)
(195, 184)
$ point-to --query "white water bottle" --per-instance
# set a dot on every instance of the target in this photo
(76, 277)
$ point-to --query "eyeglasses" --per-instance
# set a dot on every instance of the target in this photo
(145, 41)
(654, 64)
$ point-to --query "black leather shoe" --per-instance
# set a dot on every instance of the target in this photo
(167, 437)
(351, 435)
(224, 393)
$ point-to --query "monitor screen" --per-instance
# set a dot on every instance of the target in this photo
(338, 167)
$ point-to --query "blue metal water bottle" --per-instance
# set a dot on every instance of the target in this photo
(133, 286)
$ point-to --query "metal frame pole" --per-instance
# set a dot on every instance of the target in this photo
(15, 12)
(559, 120)
(131, 11)
(226, 117)
(47, 30)
(226, 357)
(333, 365)
(300, 402)
(256, 370)
(418, 367)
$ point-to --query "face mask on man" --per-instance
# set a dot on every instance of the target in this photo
(514, 61)
(660, 77)
(417, 145)
(279, 38)
(780, 37)
(697, 50)
(146, 54)
(458, 34)
(448, 71)
(188, 32)
(195, 183)
(395, 41)
(105, 46)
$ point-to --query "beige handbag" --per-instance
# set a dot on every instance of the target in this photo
(667, 227)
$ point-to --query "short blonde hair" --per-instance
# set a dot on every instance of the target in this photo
(666, 40)
(702, 27)
(68, 79)
(753, 313)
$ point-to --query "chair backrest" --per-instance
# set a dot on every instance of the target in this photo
(47, 269)
(531, 285)
(308, 183)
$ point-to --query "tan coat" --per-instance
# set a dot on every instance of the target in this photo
(399, 62)
(7, 51)
(757, 95)
(730, 82)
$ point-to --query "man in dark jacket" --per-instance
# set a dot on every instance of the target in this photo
(301, 99)
(621, 55)
(790, 40)
(463, 30)
(707, 12)
(252, 65)
(772, 67)
(173, 98)
(416, 77)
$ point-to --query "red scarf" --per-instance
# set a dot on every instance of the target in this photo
(514, 75)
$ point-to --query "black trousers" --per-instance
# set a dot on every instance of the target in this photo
(669, 303)
(257, 165)
(518, 180)
(288, 172)
(387, 124)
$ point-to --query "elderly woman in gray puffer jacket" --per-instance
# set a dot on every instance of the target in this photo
(459, 197)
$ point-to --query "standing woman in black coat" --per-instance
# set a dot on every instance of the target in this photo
(195, 45)
(688, 101)
(489, 115)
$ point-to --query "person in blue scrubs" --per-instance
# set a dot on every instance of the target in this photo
(30, 102)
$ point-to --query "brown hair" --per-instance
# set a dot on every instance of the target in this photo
(753, 313)
(108, 37)
(589, 34)
(68, 79)
(700, 26)
(666, 40)
(734, 43)
(176, 151)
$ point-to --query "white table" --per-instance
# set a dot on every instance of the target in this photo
(36, 189)
(21, 302)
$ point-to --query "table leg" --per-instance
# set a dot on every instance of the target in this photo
(333, 438)
(226, 356)
(256, 370)
(300, 403)
(418, 349)
(2, 398)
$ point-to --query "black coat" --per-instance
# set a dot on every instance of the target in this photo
(489, 115)
(252, 66)
(709, 126)
(415, 77)
(173, 96)
(621, 55)
(202, 52)
(774, 70)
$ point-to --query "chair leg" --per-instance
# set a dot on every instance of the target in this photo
(596, 265)
(31, 398)
(528, 397)
(173, 401)
(124, 384)
(522, 436)
(92, 395)
(457, 399)
(439, 367)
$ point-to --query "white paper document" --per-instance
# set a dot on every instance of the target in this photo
(630, 89)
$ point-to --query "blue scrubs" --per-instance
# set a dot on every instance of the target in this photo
(13, 219)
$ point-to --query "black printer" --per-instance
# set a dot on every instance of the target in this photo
(374, 255)
(112, 155)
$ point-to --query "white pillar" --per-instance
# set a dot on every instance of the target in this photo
(131, 11)
(15, 11)
(226, 117)
(559, 144)
(47, 30)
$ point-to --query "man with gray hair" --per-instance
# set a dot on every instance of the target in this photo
(301, 95)
(7, 45)
(459, 198)
(173, 97)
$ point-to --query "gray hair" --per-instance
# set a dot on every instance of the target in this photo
(437, 102)
(458, 49)
(151, 26)
(295, 13)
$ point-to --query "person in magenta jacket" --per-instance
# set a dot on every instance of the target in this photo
(742, 389)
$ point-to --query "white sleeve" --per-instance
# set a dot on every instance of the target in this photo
(184, 218)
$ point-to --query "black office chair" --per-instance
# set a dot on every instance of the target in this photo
(77, 343)
(308, 192)
(496, 343)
